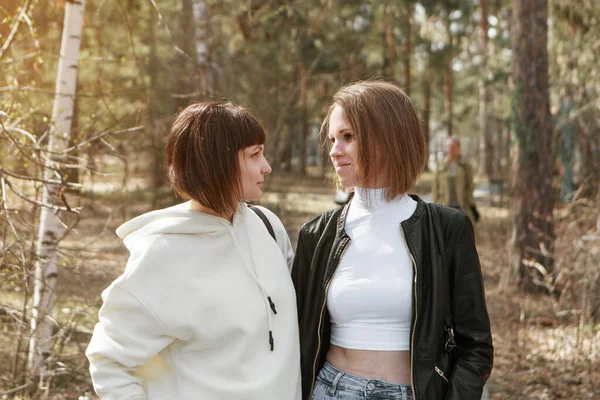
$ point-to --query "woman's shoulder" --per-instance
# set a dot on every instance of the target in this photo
(317, 225)
(156, 256)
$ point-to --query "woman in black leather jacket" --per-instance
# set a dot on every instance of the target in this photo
(389, 288)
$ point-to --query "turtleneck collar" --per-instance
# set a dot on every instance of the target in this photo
(375, 198)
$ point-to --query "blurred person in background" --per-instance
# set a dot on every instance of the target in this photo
(453, 181)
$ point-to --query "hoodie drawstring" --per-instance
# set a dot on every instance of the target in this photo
(269, 303)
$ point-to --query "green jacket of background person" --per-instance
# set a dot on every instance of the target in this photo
(453, 181)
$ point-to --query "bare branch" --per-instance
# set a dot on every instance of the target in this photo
(15, 28)
(33, 179)
(100, 136)
(39, 203)
(9, 219)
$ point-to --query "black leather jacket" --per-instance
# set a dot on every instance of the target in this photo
(451, 342)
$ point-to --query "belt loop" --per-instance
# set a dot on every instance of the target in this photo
(332, 390)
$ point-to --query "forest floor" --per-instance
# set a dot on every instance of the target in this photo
(537, 354)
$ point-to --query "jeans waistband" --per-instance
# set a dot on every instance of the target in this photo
(340, 380)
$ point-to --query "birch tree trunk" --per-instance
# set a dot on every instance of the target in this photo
(51, 229)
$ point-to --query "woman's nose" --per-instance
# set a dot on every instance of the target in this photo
(266, 168)
(336, 149)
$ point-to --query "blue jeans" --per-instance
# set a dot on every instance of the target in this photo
(333, 384)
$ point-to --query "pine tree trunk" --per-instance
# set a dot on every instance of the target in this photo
(154, 92)
(532, 230)
(448, 79)
(201, 35)
(51, 229)
(486, 152)
(407, 45)
(389, 68)
(303, 105)
(426, 112)
(186, 66)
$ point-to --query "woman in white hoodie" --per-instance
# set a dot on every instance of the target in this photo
(205, 308)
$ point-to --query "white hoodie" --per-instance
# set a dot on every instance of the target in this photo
(190, 316)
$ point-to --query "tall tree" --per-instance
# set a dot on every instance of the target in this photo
(408, 53)
(391, 57)
(532, 230)
(201, 39)
(51, 228)
(448, 75)
(485, 93)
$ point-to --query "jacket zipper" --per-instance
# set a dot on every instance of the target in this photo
(412, 339)
(441, 373)
(314, 374)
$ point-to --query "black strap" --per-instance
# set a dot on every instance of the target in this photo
(265, 220)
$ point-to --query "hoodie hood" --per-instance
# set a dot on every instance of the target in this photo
(179, 219)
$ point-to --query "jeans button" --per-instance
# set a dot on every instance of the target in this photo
(371, 385)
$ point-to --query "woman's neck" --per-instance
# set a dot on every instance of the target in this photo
(196, 206)
(375, 197)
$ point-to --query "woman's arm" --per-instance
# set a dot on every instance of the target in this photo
(127, 336)
(471, 321)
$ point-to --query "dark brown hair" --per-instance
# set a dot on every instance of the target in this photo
(388, 132)
(202, 153)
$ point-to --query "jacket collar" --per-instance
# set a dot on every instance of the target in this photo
(419, 212)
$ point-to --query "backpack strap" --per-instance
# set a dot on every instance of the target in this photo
(265, 221)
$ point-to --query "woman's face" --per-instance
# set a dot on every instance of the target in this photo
(253, 168)
(344, 150)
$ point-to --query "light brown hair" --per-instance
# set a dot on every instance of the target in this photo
(388, 132)
(202, 153)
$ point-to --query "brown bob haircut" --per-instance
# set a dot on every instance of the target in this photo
(202, 153)
(388, 133)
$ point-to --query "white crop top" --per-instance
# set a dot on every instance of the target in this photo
(370, 296)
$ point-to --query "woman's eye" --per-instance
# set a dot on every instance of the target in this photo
(348, 137)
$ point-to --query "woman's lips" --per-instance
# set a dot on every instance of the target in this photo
(341, 167)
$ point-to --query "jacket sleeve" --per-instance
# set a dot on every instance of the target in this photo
(126, 337)
(471, 321)
(301, 264)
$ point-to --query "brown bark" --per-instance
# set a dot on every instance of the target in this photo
(448, 80)
(532, 230)
(284, 153)
(390, 41)
(304, 126)
(426, 111)
(486, 149)
(448, 89)
(407, 45)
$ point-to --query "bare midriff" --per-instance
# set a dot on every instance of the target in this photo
(390, 366)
